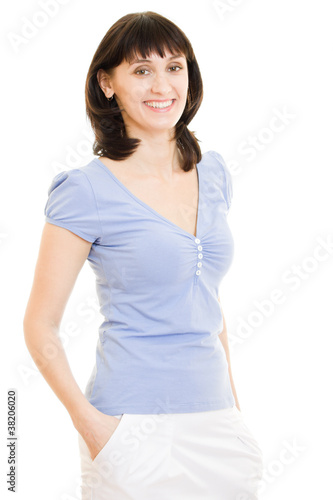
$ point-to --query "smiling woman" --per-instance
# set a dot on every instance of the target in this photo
(159, 416)
(145, 50)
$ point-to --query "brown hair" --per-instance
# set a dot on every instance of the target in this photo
(140, 34)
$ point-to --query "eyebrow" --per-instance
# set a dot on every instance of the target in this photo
(149, 60)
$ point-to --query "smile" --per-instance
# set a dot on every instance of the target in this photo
(159, 104)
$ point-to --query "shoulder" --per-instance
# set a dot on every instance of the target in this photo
(223, 173)
(77, 180)
(68, 178)
(71, 204)
(216, 158)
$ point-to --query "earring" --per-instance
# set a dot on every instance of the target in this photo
(110, 98)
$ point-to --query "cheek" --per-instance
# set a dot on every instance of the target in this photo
(182, 87)
(136, 94)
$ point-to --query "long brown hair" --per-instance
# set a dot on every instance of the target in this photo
(140, 34)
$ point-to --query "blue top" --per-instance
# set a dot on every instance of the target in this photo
(158, 349)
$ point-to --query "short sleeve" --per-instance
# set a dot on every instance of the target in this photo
(227, 187)
(71, 204)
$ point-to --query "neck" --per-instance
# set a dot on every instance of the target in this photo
(156, 155)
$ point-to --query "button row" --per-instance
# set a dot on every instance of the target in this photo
(200, 256)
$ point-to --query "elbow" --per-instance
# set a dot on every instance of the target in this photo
(29, 332)
(36, 329)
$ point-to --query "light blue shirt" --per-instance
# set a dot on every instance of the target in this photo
(158, 349)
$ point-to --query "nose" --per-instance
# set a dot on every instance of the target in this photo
(161, 84)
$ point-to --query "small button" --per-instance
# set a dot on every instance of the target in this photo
(197, 240)
(199, 248)
(200, 256)
(199, 264)
(198, 272)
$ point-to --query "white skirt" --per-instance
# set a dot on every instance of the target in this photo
(206, 455)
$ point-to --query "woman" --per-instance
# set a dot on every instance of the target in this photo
(159, 417)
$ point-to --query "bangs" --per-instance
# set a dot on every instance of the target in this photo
(147, 36)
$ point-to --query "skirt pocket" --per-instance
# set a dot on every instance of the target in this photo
(112, 439)
(248, 441)
(244, 434)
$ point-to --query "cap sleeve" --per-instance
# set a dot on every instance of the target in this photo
(71, 204)
(227, 186)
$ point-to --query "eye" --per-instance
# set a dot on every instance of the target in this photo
(138, 71)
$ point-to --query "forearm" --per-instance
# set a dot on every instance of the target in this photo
(47, 351)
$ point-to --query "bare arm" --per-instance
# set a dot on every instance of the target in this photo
(60, 259)
(223, 336)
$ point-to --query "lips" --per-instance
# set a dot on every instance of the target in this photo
(159, 100)
(159, 104)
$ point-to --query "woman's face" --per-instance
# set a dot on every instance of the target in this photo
(140, 85)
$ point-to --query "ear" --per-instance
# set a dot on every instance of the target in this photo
(104, 82)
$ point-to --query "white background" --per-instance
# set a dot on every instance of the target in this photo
(258, 59)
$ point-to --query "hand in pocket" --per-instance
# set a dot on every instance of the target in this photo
(98, 432)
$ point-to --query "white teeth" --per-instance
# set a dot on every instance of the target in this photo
(154, 104)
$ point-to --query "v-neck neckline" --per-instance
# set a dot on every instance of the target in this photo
(151, 209)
